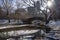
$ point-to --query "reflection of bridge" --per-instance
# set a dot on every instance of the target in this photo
(20, 27)
(8, 28)
(31, 35)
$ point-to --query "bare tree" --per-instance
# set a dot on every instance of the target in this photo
(7, 6)
(19, 9)
(0, 10)
(37, 5)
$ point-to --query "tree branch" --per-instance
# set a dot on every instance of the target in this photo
(26, 3)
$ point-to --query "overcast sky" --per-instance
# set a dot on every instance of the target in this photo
(13, 3)
(22, 4)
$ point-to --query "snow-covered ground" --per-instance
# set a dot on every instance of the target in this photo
(55, 25)
(3, 21)
(55, 33)
(12, 21)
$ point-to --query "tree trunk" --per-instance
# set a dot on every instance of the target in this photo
(8, 16)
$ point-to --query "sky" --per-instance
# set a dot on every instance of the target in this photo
(0, 2)
(22, 4)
